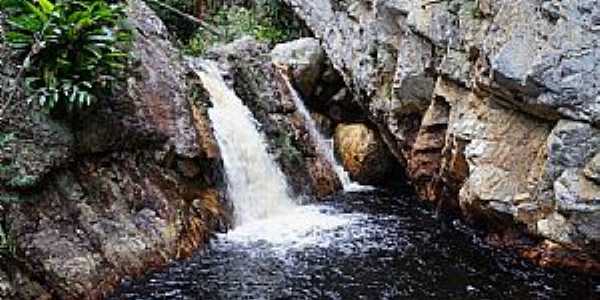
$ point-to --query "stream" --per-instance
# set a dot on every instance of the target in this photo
(370, 245)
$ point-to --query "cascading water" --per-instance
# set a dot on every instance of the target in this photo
(263, 208)
(324, 146)
(256, 185)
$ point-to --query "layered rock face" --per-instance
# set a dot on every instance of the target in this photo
(493, 107)
(257, 80)
(113, 192)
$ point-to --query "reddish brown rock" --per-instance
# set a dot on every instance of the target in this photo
(425, 159)
(145, 186)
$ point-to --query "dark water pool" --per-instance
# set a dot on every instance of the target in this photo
(370, 246)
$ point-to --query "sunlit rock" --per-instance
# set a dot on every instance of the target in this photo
(362, 153)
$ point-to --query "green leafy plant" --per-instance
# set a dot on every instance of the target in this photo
(182, 28)
(269, 21)
(73, 51)
(279, 23)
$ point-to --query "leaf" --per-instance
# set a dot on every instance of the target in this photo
(36, 11)
(93, 50)
(47, 6)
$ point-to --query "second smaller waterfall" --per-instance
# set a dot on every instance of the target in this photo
(324, 146)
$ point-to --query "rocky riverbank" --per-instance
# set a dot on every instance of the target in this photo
(492, 107)
(138, 180)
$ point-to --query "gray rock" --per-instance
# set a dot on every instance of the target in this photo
(576, 194)
(413, 85)
(511, 71)
(570, 146)
(304, 59)
(592, 169)
(579, 198)
(556, 227)
(261, 87)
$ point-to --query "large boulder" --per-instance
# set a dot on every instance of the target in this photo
(362, 153)
(317, 81)
(571, 183)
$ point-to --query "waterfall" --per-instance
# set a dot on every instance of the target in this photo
(324, 146)
(263, 208)
(256, 185)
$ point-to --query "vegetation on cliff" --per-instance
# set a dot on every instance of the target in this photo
(72, 52)
(268, 21)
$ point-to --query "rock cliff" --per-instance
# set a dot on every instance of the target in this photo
(493, 108)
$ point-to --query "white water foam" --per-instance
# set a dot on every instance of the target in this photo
(300, 227)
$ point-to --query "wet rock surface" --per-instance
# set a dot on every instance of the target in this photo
(491, 106)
